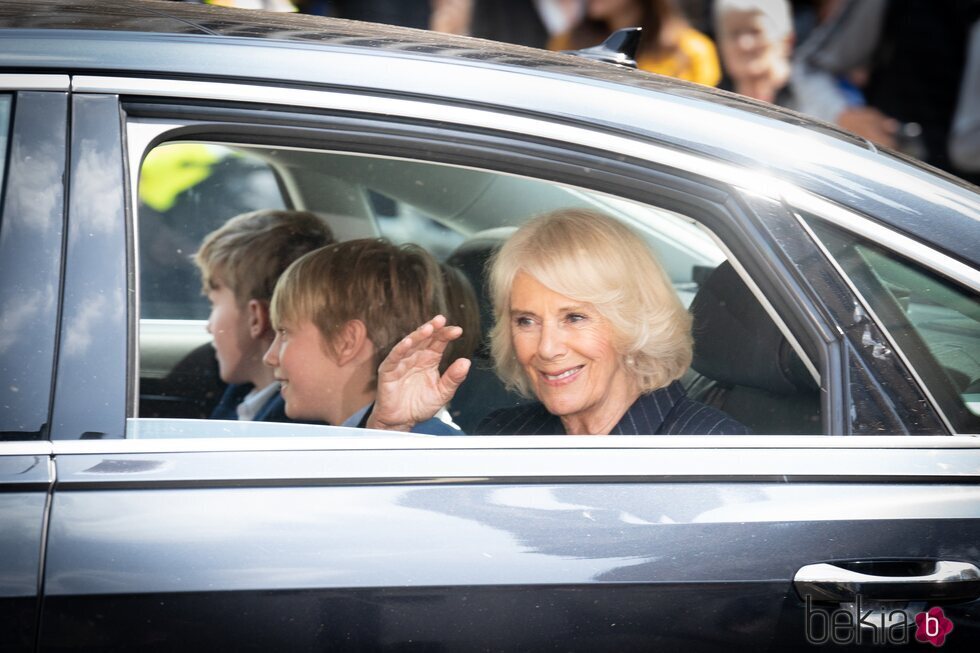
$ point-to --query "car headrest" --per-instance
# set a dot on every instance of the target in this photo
(471, 257)
(736, 343)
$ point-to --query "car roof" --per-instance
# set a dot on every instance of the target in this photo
(191, 41)
(166, 17)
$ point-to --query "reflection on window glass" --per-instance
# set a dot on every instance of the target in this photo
(5, 102)
(402, 223)
(17, 400)
(934, 321)
(187, 190)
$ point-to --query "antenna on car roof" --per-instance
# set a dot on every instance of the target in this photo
(620, 48)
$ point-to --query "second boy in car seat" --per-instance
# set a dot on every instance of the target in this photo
(337, 313)
(240, 263)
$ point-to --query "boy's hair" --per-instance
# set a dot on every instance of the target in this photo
(391, 289)
(249, 252)
(462, 310)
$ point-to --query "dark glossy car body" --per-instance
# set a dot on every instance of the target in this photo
(111, 539)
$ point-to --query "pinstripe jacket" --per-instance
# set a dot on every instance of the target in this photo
(667, 411)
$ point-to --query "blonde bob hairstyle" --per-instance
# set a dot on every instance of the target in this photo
(593, 258)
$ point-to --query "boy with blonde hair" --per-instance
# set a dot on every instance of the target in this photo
(240, 263)
(337, 312)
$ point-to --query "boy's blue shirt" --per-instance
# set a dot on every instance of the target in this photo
(431, 426)
(274, 410)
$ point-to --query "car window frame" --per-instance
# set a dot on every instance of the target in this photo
(725, 184)
(96, 310)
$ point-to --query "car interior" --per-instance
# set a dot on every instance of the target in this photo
(744, 364)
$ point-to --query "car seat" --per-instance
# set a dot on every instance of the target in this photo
(743, 363)
(482, 392)
(190, 390)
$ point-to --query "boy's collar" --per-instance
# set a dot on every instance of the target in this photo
(359, 418)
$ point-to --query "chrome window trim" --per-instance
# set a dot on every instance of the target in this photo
(416, 109)
(899, 243)
(877, 320)
(383, 440)
(536, 459)
(26, 448)
(33, 82)
(748, 180)
(138, 137)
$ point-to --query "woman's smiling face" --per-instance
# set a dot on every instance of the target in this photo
(568, 353)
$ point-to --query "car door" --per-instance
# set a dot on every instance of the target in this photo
(33, 112)
(165, 535)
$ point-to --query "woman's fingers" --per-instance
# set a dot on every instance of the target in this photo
(443, 336)
(410, 389)
(453, 377)
(406, 346)
(433, 336)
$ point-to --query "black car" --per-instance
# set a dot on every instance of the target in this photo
(845, 334)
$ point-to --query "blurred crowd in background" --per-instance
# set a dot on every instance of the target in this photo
(903, 73)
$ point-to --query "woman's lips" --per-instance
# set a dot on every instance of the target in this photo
(562, 377)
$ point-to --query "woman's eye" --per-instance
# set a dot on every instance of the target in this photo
(522, 321)
(576, 317)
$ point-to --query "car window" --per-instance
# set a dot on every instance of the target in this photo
(32, 169)
(443, 208)
(935, 322)
(5, 103)
(8, 423)
(185, 191)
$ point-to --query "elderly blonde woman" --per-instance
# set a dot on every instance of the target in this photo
(587, 323)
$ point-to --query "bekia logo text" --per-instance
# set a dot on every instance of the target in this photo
(855, 625)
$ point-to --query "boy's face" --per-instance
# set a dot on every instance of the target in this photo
(228, 326)
(307, 372)
(748, 49)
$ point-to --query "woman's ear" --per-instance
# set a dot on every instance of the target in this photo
(351, 342)
(259, 320)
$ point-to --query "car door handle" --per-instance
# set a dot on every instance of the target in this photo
(889, 581)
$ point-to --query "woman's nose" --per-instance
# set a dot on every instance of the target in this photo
(551, 344)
